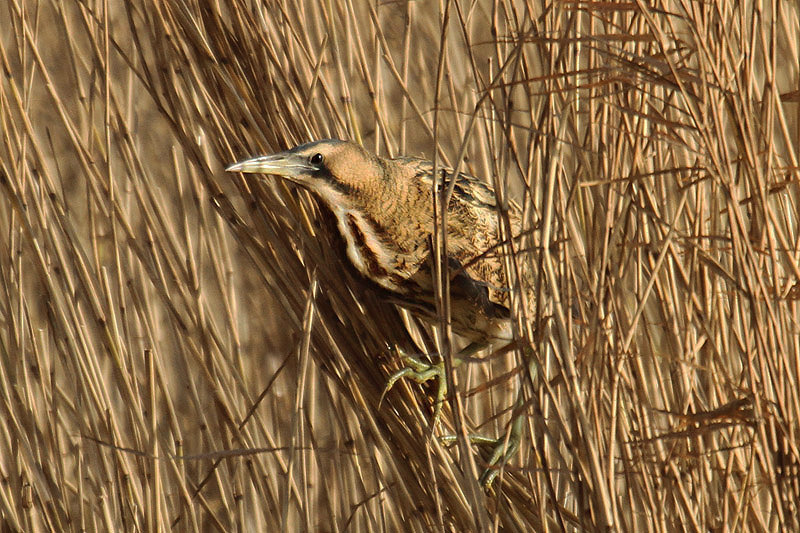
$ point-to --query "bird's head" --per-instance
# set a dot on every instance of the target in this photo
(339, 172)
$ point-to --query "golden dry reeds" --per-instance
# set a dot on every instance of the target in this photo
(181, 349)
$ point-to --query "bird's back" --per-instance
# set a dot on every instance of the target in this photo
(479, 295)
(383, 210)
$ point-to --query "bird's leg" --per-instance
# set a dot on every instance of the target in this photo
(421, 371)
(506, 446)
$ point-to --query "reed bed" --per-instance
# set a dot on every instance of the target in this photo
(183, 349)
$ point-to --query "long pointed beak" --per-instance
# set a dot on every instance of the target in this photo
(282, 164)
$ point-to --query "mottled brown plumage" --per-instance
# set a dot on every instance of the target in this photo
(384, 213)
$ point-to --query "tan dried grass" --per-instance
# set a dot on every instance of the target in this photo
(179, 349)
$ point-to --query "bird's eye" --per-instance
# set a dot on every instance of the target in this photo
(316, 159)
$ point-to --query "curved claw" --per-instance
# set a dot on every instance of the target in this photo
(504, 449)
(420, 372)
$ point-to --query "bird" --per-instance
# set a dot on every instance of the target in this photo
(384, 212)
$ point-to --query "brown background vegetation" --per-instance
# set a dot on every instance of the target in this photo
(180, 351)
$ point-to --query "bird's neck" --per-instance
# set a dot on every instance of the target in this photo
(386, 232)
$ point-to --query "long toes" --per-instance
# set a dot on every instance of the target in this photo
(420, 372)
(504, 451)
(394, 378)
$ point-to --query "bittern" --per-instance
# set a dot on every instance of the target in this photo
(384, 213)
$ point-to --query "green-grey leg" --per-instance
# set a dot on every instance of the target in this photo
(505, 448)
(421, 371)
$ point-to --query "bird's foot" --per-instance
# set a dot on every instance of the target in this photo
(503, 449)
(420, 371)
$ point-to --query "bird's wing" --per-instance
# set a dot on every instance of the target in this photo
(467, 188)
(472, 209)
